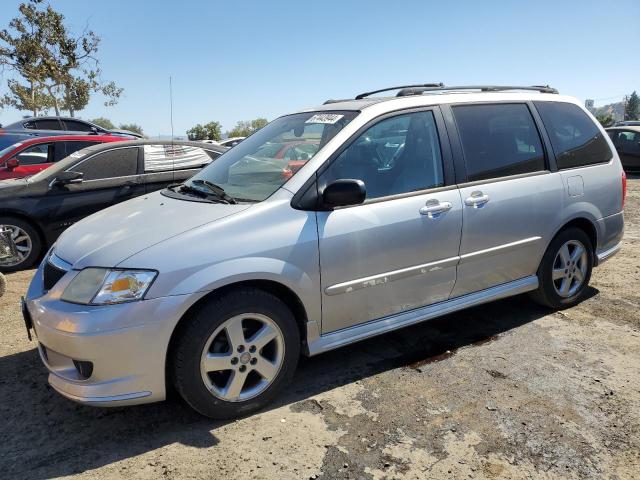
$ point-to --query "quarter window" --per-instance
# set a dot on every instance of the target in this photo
(397, 155)
(120, 162)
(575, 138)
(162, 158)
(498, 140)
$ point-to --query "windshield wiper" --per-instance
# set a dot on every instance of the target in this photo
(185, 189)
(216, 190)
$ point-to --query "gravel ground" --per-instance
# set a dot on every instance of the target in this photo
(506, 390)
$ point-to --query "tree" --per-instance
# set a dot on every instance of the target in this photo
(246, 128)
(197, 132)
(58, 69)
(605, 119)
(103, 122)
(208, 131)
(132, 127)
(632, 107)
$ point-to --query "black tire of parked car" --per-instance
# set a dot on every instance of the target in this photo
(36, 244)
(192, 338)
(546, 293)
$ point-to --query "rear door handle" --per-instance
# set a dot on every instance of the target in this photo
(477, 199)
(433, 208)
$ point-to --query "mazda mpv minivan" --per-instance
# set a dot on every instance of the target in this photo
(413, 206)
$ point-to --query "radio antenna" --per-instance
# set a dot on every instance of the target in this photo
(171, 106)
(173, 158)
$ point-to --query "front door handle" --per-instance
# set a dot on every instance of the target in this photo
(433, 208)
(477, 199)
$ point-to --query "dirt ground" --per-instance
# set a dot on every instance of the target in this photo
(506, 390)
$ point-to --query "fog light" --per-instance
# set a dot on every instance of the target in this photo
(85, 369)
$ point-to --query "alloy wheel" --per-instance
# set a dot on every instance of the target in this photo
(570, 268)
(23, 243)
(242, 357)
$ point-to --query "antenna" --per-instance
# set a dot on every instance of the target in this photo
(171, 106)
(173, 156)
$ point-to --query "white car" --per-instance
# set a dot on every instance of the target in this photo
(231, 142)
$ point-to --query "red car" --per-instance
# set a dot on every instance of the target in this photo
(32, 155)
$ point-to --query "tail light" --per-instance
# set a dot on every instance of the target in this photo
(624, 188)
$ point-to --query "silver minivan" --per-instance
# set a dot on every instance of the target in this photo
(326, 227)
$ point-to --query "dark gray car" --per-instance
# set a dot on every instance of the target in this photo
(61, 126)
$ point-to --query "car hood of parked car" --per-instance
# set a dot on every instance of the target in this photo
(110, 236)
(12, 187)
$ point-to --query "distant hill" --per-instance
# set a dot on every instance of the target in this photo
(616, 110)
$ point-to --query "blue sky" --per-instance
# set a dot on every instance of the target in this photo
(239, 60)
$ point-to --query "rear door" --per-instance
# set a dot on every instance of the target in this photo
(511, 199)
(110, 177)
(398, 250)
(167, 164)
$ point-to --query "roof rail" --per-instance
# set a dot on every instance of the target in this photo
(424, 85)
(419, 90)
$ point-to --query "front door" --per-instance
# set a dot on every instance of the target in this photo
(110, 177)
(511, 201)
(398, 250)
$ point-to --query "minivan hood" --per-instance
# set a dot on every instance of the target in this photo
(110, 236)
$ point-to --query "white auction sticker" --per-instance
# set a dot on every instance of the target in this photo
(329, 118)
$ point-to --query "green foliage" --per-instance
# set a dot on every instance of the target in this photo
(54, 69)
(632, 107)
(208, 131)
(103, 122)
(132, 127)
(605, 119)
(246, 128)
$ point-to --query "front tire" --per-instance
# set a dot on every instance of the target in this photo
(565, 270)
(27, 242)
(236, 353)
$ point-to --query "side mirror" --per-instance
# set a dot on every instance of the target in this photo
(12, 163)
(67, 178)
(344, 192)
(94, 130)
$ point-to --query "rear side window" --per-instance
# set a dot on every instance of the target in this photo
(120, 162)
(71, 147)
(575, 138)
(498, 140)
(162, 158)
(50, 124)
(75, 126)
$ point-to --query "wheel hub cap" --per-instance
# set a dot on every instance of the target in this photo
(570, 268)
(242, 357)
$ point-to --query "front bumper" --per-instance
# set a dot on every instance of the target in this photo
(126, 344)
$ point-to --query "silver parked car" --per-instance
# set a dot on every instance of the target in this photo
(411, 207)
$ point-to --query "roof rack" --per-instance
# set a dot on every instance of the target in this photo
(424, 85)
(419, 90)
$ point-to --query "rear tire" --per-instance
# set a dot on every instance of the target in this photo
(565, 270)
(27, 240)
(236, 353)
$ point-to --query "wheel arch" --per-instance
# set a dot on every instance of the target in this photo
(37, 227)
(278, 289)
(584, 224)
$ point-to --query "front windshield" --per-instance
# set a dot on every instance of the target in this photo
(4, 151)
(258, 166)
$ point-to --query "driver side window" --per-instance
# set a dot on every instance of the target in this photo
(397, 155)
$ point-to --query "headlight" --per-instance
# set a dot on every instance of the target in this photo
(101, 286)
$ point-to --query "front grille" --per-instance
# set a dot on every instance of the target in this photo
(51, 275)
